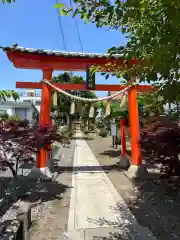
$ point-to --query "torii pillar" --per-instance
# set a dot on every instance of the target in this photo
(42, 162)
(134, 162)
(136, 169)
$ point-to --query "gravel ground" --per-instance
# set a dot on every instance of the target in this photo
(154, 202)
(51, 216)
(50, 192)
(6, 177)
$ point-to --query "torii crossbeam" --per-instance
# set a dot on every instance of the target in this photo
(48, 61)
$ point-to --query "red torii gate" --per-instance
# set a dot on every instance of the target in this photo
(47, 61)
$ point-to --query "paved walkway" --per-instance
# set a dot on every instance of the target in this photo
(97, 211)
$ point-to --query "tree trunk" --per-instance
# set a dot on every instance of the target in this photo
(70, 122)
(17, 165)
(10, 166)
(14, 173)
(177, 106)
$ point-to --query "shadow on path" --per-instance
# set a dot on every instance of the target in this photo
(159, 201)
(90, 169)
(82, 138)
(125, 227)
(46, 191)
(111, 153)
(155, 202)
(31, 190)
(28, 165)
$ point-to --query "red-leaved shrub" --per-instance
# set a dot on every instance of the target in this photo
(160, 143)
(19, 142)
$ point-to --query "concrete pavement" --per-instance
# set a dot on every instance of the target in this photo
(97, 211)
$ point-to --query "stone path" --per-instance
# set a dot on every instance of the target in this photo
(97, 211)
(93, 212)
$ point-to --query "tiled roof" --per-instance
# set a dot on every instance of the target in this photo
(17, 48)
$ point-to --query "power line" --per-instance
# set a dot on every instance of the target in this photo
(77, 29)
(61, 29)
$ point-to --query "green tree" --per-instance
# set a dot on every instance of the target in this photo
(152, 104)
(152, 29)
(64, 102)
(8, 1)
(6, 94)
(116, 109)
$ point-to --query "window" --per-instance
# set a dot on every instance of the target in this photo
(27, 101)
(30, 94)
(21, 112)
(38, 103)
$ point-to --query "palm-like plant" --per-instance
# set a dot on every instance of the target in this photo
(153, 104)
(6, 94)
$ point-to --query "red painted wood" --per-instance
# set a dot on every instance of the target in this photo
(82, 87)
(45, 115)
(123, 136)
(134, 127)
(29, 85)
(36, 61)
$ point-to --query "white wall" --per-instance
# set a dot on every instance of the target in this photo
(31, 99)
(24, 97)
(9, 108)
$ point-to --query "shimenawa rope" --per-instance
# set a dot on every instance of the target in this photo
(86, 99)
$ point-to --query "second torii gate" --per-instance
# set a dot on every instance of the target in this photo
(47, 61)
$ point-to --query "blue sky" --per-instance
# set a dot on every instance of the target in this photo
(34, 23)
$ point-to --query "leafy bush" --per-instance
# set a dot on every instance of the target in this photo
(19, 142)
(71, 132)
(160, 142)
(86, 131)
(82, 126)
(103, 132)
(92, 127)
(15, 118)
(100, 123)
(4, 116)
